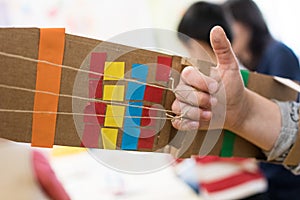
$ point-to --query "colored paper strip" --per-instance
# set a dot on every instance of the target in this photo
(228, 144)
(113, 92)
(135, 112)
(109, 137)
(245, 76)
(135, 91)
(139, 72)
(90, 137)
(163, 68)
(114, 70)
(146, 139)
(153, 94)
(100, 111)
(51, 49)
(130, 138)
(97, 64)
(148, 121)
(229, 137)
(114, 116)
(90, 112)
(95, 89)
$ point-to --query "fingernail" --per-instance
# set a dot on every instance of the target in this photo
(206, 114)
(212, 87)
(213, 101)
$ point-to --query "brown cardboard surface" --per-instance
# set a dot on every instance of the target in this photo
(269, 88)
(16, 72)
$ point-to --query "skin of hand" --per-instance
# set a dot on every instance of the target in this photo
(197, 95)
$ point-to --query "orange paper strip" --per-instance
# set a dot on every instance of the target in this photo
(51, 48)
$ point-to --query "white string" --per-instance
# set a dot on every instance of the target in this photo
(169, 117)
(83, 98)
(78, 69)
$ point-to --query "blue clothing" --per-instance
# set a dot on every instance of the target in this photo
(279, 60)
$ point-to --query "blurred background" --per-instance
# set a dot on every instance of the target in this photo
(103, 19)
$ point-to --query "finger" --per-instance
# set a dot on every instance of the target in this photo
(193, 77)
(191, 112)
(193, 97)
(185, 124)
(222, 48)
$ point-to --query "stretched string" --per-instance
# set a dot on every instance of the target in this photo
(172, 89)
(79, 70)
(169, 117)
(83, 98)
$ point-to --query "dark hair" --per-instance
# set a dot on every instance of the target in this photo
(199, 19)
(248, 13)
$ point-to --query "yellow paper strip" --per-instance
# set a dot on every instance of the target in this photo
(113, 92)
(114, 70)
(114, 116)
(109, 137)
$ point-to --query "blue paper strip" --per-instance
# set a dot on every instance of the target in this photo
(135, 91)
(133, 111)
(139, 72)
(130, 138)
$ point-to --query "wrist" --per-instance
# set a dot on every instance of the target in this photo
(257, 120)
(237, 116)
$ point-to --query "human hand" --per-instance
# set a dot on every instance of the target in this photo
(218, 100)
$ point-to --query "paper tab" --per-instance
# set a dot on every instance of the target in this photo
(90, 137)
(113, 92)
(114, 116)
(114, 70)
(97, 64)
(163, 68)
(130, 138)
(109, 137)
(135, 112)
(139, 72)
(135, 91)
(146, 139)
(153, 94)
(51, 49)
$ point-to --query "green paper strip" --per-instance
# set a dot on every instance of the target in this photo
(228, 144)
(245, 76)
(229, 137)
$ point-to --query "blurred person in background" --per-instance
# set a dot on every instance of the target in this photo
(254, 45)
(258, 51)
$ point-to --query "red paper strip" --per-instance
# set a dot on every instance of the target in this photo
(51, 49)
(90, 114)
(163, 68)
(148, 121)
(97, 63)
(153, 94)
(146, 139)
(100, 110)
(95, 89)
(92, 110)
(90, 137)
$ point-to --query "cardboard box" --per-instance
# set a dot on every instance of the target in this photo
(104, 118)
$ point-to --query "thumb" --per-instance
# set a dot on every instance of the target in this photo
(222, 48)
